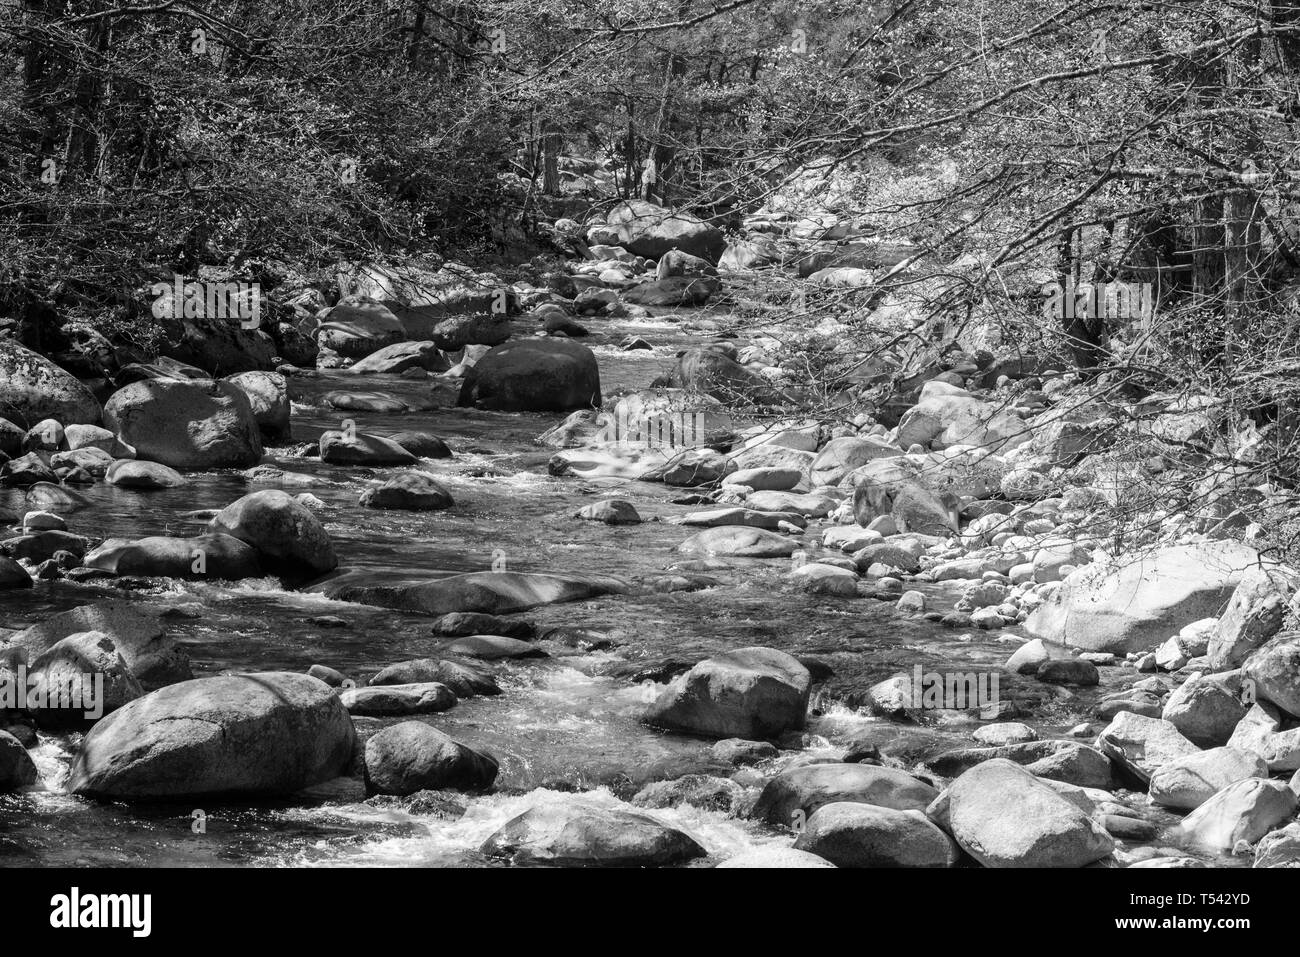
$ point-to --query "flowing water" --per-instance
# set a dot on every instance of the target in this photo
(562, 724)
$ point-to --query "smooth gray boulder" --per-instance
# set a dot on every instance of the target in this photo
(412, 756)
(1003, 816)
(849, 834)
(1241, 812)
(1143, 745)
(155, 658)
(1137, 604)
(34, 388)
(753, 693)
(186, 425)
(1188, 782)
(795, 794)
(285, 533)
(573, 834)
(1274, 668)
(249, 734)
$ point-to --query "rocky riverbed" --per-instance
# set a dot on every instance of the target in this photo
(425, 614)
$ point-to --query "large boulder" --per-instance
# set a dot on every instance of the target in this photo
(268, 394)
(284, 532)
(141, 639)
(411, 756)
(534, 375)
(753, 693)
(1137, 604)
(33, 388)
(571, 834)
(358, 327)
(1003, 816)
(186, 425)
(849, 834)
(649, 230)
(795, 794)
(248, 734)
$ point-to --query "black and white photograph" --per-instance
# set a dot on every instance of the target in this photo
(656, 435)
